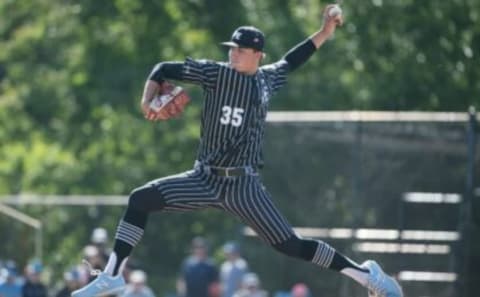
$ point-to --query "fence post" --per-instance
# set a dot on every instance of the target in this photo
(27, 220)
(466, 209)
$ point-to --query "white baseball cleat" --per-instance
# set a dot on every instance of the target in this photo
(379, 284)
(104, 284)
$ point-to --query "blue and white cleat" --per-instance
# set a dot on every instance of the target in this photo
(380, 284)
(104, 284)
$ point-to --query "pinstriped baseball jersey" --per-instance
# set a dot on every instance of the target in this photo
(232, 130)
(235, 108)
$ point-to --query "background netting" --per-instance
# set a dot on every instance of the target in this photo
(354, 174)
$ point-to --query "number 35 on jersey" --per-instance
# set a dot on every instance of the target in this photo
(232, 116)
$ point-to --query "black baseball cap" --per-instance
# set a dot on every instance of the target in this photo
(247, 36)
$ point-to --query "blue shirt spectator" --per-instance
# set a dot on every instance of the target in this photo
(199, 275)
(9, 287)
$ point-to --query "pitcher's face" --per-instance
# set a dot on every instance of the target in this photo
(244, 60)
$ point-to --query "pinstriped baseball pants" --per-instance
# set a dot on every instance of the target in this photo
(243, 196)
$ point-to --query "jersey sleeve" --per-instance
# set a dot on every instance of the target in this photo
(200, 72)
(276, 74)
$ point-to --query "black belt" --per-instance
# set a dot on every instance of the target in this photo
(234, 171)
(228, 171)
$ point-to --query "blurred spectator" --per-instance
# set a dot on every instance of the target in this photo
(99, 239)
(33, 286)
(198, 276)
(137, 285)
(73, 280)
(232, 269)
(300, 290)
(9, 286)
(251, 287)
(94, 259)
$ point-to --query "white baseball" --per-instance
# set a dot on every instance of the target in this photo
(159, 101)
(334, 11)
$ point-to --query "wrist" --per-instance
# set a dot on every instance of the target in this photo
(320, 37)
(325, 32)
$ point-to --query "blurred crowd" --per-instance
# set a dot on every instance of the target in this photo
(199, 275)
(26, 284)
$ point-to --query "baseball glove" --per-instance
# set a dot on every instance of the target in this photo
(169, 102)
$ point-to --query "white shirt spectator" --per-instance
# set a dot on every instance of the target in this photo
(137, 286)
(232, 270)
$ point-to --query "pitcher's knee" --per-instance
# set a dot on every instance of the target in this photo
(297, 247)
(290, 247)
(146, 199)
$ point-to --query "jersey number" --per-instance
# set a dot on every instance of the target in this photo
(232, 116)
